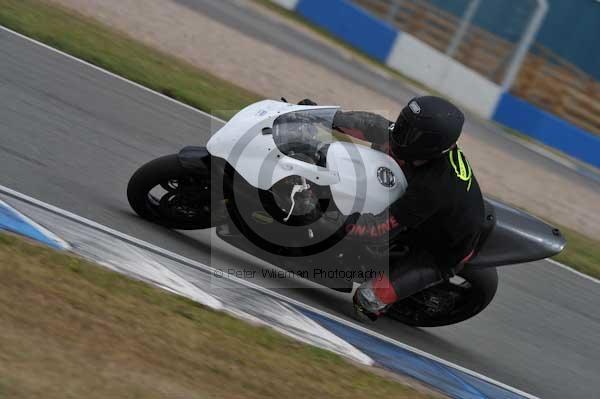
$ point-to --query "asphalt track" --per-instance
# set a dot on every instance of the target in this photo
(71, 135)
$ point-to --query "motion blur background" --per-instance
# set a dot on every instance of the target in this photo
(540, 51)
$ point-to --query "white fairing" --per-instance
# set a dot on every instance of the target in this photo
(254, 155)
(352, 170)
(360, 188)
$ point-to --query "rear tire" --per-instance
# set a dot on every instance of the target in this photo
(459, 302)
(167, 210)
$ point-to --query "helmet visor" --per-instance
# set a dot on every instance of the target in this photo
(404, 134)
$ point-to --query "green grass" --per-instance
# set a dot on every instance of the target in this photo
(114, 51)
(582, 253)
(86, 39)
(71, 329)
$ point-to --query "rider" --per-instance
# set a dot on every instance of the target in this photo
(441, 214)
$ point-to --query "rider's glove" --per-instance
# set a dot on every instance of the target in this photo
(373, 229)
(307, 101)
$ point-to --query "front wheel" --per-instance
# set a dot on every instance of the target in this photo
(459, 299)
(164, 192)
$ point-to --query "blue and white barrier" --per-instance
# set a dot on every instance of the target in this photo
(423, 63)
(356, 26)
(547, 128)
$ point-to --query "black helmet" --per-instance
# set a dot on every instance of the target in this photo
(426, 128)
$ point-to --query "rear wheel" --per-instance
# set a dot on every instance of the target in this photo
(164, 192)
(463, 297)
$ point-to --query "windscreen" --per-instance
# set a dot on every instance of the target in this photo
(303, 134)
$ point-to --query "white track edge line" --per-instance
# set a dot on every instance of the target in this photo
(209, 269)
(577, 272)
(97, 68)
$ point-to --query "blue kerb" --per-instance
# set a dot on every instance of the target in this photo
(452, 382)
(11, 220)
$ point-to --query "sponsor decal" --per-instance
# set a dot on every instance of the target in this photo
(386, 177)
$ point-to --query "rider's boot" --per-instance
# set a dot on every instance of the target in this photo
(372, 299)
(375, 296)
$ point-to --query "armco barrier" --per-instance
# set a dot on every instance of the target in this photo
(422, 62)
(547, 128)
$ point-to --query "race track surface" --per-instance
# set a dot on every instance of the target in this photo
(71, 136)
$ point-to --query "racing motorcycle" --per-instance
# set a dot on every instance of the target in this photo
(279, 182)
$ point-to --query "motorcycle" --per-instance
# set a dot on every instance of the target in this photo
(279, 182)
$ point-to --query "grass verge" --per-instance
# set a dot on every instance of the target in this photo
(71, 329)
(86, 39)
(582, 253)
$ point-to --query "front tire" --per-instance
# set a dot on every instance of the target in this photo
(450, 302)
(185, 203)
